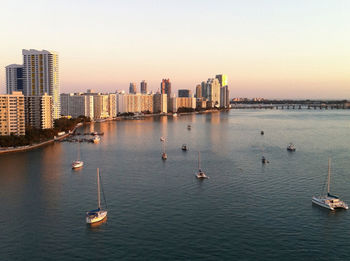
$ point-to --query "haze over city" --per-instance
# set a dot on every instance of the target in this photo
(269, 49)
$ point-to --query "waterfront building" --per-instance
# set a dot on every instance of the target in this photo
(182, 102)
(143, 87)
(101, 106)
(204, 90)
(112, 105)
(12, 115)
(14, 78)
(213, 89)
(165, 87)
(224, 91)
(132, 88)
(39, 111)
(199, 91)
(76, 105)
(135, 103)
(184, 93)
(160, 103)
(41, 75)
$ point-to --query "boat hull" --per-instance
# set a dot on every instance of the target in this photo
(100, 215)
(77, 165)
(318, 202)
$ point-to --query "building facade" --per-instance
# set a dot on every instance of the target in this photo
(198, 91)
(12, 114)
(39, 111)
(14, 78)
(213, 90)
(160, 102)
(143, 87)
(132, 88)
(41, 75)
(76, 105)
(182, 102)
(184, 93)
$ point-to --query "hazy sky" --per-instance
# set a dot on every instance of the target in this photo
(272, 49)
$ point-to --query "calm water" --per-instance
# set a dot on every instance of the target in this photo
(159, 211)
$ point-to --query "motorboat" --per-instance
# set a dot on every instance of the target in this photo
(77, 164)
(189, 127)
(175, 114)
(329, 201)
(291, 147)
(262, 133)
(200, 174)
(96, 215)
(164, 156)
(184, 147)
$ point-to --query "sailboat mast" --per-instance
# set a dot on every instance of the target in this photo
(98, 188)
(329, 173)
(199, 161)
(78, 156)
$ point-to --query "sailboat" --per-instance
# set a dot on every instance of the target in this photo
(329, 201)
(164, 155)
(98, 214)
(77, 163)
(200, 174)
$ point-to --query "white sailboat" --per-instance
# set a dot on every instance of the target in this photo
(164, 155)
(98, 214)
(200, 174)
(77, 163)
(329, 201)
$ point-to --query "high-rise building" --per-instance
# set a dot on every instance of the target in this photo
(224, 91)
(41, 75)
(143, 87)
(213, 89)
(135, 103)
(198, 91)
(132, 88)
(204, 90)
(182, 102)
(160, 103)
(222, 79)
(112, 105)
(12, 115)
(38, 111)
(76, 105)
(14, 78)
(184, 93)
(165, 87)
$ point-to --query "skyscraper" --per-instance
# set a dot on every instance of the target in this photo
(198, 91)
(143, 87)
(222, 79)
(213, 88)
(132, 88)
(165, 87)
(224, 91)
(41, 75)
(185, 93)
(14, 78)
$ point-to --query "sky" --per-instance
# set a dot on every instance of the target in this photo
(270, 49)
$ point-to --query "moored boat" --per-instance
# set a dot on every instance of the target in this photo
(329, 201)
(96, 215)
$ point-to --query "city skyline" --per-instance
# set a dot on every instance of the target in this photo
(268, 49)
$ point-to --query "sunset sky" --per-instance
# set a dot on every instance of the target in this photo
(271, 49)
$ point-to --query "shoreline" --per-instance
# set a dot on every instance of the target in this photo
(118, 118)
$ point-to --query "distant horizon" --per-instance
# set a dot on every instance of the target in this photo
(268, 49)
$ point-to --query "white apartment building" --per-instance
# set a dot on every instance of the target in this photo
(76, 105)
(41, 75)
(182, 102)
(135, 103)
(12, 117)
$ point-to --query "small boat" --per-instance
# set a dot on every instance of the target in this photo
(175, 114)
(262, 132)
(96, 215)
(184, 147)
(329, 201)
(96, 139)
(291, 147)
(189, 127)
(77, 163)
(264, 160)
(164, 155)
(200, 174)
